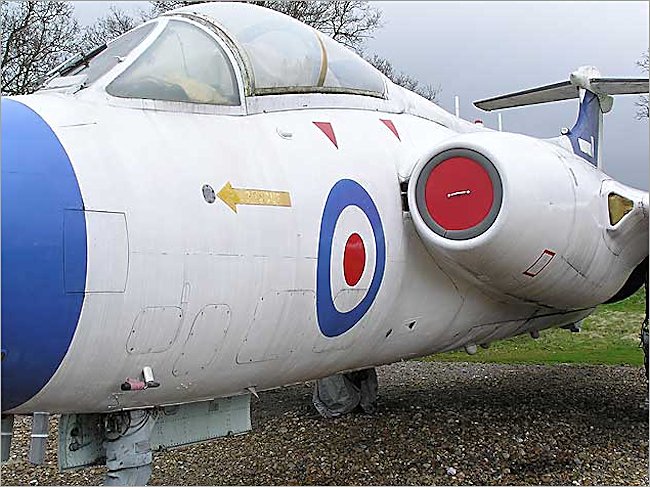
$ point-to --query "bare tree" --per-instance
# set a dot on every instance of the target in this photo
(115, 23)
(349, 22)
(36, 36)
(158, 8)
(642, 104)
(427, 91)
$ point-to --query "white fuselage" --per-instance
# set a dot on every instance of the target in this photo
(217, 301)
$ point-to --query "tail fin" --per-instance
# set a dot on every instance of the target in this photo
(595, 94)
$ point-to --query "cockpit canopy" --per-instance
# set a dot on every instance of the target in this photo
(184, 63)
(195, 54)
(284, 55)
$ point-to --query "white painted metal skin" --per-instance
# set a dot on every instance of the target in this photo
(216, 302)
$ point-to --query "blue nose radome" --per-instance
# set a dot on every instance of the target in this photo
(43, 253)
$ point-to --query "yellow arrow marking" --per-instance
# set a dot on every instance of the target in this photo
(261, 197)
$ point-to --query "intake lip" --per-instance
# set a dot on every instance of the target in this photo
(459, 194)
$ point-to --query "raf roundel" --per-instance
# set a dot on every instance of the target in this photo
(351, 258)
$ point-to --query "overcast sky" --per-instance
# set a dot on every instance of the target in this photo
(481, 49)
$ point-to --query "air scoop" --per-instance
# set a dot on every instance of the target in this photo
(626, 232)
(524, 218)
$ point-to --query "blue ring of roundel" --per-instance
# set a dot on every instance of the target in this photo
(345, 193)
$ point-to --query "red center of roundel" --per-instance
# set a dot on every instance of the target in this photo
(458, 193)
(354, 259)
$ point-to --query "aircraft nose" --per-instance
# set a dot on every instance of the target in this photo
(43, 253)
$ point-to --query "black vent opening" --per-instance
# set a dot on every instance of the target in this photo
(403, 187)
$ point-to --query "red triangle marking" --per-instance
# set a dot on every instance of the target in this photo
(327, 129)
(391, 126)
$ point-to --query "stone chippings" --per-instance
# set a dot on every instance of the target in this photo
(437, 423)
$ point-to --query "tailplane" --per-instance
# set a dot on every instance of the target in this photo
(595, 94)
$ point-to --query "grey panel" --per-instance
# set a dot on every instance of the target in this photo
(201, 421)
(204, 340)
(108, 241)
(80, 440)
(7, 434)
(274, 309)
(154, 330)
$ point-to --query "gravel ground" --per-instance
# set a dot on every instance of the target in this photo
(437, 423)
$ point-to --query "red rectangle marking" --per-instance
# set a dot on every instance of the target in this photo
(540, 264)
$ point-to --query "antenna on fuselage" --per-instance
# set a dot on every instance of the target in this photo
(457, 105)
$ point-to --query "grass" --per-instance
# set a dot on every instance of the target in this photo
(609, 336)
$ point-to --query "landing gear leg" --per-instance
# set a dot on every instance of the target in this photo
(343, 393)
(128, 447)
(6, 435)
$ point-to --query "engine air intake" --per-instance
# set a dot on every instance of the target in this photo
(619, 206)
(459, 194)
